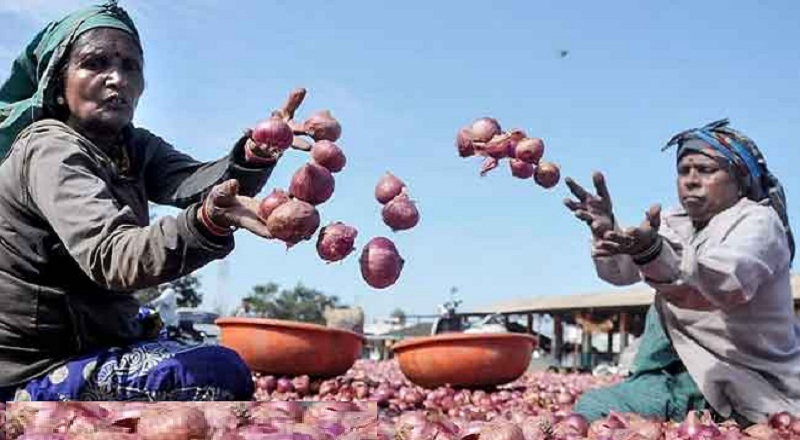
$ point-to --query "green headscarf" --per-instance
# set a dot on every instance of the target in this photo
(29, 88)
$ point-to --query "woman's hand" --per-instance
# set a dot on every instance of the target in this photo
(633, 241)
(262, 153)
(224, 210)
(595, 210)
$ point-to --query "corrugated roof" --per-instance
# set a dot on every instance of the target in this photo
(632, 298)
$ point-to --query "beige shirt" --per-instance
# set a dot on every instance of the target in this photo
(724, 294)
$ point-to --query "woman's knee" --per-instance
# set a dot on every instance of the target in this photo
(216, 367)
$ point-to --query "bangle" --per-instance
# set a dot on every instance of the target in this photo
(212, 227)
(251, 157)
(650, 253)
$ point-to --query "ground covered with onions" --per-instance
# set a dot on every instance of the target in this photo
(375, 401)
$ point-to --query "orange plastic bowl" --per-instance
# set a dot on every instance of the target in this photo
(289, 348)
(465, 360)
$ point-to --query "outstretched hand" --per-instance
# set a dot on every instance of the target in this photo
(593, 209)
(226, 209)
(632, 241)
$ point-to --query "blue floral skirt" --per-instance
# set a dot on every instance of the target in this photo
(156, 370)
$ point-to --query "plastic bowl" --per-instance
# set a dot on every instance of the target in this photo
(289, 348)
(465, 360)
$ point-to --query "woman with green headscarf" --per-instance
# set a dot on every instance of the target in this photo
(75, 237)
(722, 333)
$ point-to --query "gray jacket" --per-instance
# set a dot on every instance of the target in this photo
(76, 239)
(725, 297)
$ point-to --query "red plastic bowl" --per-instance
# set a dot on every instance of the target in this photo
(465, 360)
(289, 348)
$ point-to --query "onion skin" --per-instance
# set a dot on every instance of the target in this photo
(312, 183)
(293, 222)
(388, 187)
(181, 422)
(329, 155)
(380, 263)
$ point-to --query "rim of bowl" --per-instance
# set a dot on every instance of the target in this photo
(284, 324)
(445, 338)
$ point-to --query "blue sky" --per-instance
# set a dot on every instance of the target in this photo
(402, 77)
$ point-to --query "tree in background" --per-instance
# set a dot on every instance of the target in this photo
(297, 304)
(398, 315)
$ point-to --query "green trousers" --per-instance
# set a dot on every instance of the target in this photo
(660, 387)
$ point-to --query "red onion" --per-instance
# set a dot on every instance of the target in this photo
(781, 420)
(284, 385)
(761, 431)
(335, 241)
(293, 221)
(323, 126)
(389, 186)
(276, 198)
(484, 129)
(529, 150)
(381, 263)
(400, 213)
(267, 383)
(312, 183)
(176, 423)
(547, 174)
(464, 143)
(273, 132)
(302, 384)
(520, 169)
(499, 146)
(329, 155)
(501, 431)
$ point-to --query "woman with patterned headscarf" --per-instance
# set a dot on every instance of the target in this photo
(722, 334)
(75, 238)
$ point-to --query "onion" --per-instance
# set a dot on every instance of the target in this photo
(267, 383)
(312, 183)
(293, 221)
(520, 169)
(176, 423)
(273, 132)
(529, 150)
(284, 385)
(484, 129)
(464, 143)
(499, 146)
(761, 431)
(388, 187)
(781, 420)
(276, 198)
(381, 263)
(578, 423)
(400, 213)
(302, 384)
(329, 155)
(501, 431)
(335, 241)
(322, 126)
(547, 174)
(291, 410)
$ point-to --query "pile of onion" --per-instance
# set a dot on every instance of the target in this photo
(485, 137)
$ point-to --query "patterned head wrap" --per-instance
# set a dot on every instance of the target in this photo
(742, 156)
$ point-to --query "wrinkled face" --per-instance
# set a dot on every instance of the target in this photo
(103, 82)
(705, 187)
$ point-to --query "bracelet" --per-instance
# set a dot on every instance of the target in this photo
(212, 227)
(251, 157)
(650, 253)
